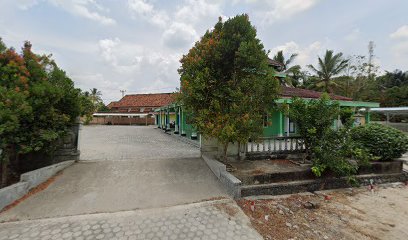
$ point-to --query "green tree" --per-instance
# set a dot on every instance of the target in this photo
(226, 83)
(95, 96)
(293, 73)
(13, 104)
(314, 119)
(328, 68)
(38, 103)
(327, 148)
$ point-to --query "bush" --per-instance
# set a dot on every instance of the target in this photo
(383, 142)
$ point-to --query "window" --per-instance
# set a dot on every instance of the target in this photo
(292, 126)
(142, 109)
(266, 123)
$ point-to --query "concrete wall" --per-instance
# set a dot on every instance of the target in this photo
(11, 193)
(211, 147)
(36, 177)
(232, 184)
(123, 121)
(28, 181)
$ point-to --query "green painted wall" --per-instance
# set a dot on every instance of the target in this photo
(276, 124)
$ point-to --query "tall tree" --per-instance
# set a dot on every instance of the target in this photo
(95, 96)
(37, 103)
(226, 83)
(293, 73)
(327, 68)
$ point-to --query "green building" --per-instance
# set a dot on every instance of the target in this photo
(173, 118)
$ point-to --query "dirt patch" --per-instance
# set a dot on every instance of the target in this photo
(343, 214)
(227, 208)
(257, 172)
(282, 161)
(33, 191)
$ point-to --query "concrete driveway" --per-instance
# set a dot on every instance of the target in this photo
(123, 168)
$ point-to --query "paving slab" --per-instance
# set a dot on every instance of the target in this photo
(208, 220)
(161, 172)
(117, 143)
(109, 186)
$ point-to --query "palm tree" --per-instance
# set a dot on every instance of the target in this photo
(95, 96)
(291, 72)
(327, 68)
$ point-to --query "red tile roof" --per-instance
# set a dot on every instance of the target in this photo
(112, 104)
(163, 99)
(306, 93)
(145, 100)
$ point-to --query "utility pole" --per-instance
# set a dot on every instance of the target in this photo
(123, 92)
(371, 46)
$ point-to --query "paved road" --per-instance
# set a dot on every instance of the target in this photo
(131, 142)
(208, 220)
(128, 173)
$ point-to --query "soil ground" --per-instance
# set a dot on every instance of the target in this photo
(361, 213)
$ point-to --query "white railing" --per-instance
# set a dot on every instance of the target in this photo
(287, 144)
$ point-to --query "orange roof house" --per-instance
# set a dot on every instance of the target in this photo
(141, 103)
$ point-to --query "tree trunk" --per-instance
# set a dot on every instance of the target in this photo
(239, 151)
(225, 152)
(4, 170)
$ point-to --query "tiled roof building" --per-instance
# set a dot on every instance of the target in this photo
(141, 103)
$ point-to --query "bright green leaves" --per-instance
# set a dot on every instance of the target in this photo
(226, 83)
(37, 100)
(383, 142)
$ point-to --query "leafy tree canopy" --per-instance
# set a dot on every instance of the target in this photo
(38, 101)
(226, 82)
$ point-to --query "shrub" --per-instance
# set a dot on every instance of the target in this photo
(383, 142)
(328, 149)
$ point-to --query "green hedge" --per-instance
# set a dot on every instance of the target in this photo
(383, 142)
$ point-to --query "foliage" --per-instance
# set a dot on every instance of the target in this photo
(226, 82)
(338, 153)
(314, 119)
(91, 102)
(327, 68)
(346, 117)
(38, 101)
(293, 73)
(95, 96)
(329, 149)
(381, 141)
(87, 107)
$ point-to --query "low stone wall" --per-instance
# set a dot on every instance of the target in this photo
(36, 177)
(11, 193)
(232, 184)
(28, 181)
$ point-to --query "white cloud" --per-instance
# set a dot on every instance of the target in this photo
(139, 66)
(80, 8)
(146, 10)
(306, 55)
(401, 32)
(194, 11)
(83, 8)
(179, 35)
(106, 48)
(284, 9)
(353, 35)
(26, 4)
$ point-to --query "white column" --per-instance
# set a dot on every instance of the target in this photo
(287, 126)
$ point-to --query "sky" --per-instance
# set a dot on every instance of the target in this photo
(136, 45)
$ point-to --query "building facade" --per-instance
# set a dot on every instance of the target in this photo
(134, 109)
(173, 117)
